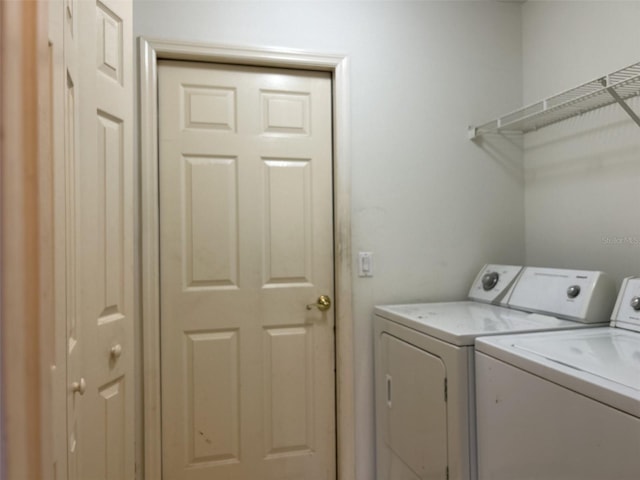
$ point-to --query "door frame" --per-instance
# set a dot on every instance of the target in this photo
(27, 252)
(152, 50)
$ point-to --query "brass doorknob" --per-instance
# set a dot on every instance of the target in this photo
(324, 303)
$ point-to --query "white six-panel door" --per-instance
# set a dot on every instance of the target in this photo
(98, 238)
(246, 241)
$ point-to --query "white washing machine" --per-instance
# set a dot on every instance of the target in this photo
(563, 405)
(424, 371)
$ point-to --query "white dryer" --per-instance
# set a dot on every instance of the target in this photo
(424, 370)
(562, 405)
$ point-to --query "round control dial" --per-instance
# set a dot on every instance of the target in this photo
(489, 280)
(635, 303)
(573, 291)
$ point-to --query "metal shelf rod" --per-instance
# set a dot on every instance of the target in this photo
(624, 105)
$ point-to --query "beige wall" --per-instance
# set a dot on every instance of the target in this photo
(582, 176)
(432, 205)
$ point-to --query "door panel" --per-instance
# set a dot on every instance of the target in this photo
(211, 222)
(289, 387)
(287, 222)
(212, 391)
(246, 242)
(415, 420)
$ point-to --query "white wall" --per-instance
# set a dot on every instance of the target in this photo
(582, 176)
(432, 205)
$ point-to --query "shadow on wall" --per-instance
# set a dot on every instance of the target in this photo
(507, 151)
(603, 143)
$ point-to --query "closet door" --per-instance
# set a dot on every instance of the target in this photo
(57, 32)
(100, 332)
(68, 236)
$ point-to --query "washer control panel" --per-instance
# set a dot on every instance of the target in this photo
(580, 295)
(626, 313)
(493, 282)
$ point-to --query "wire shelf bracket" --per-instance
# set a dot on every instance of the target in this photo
(617, 87)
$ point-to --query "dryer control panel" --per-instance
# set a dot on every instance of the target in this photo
(626, 313)
(581, 295)
(493, 282)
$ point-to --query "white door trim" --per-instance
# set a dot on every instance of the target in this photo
(150, 51)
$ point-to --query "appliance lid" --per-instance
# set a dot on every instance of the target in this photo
(460, 323)
(613, 355)
(599, 363)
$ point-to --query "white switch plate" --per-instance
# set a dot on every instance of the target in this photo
(365, 264)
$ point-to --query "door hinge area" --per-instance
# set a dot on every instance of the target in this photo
(446, 390)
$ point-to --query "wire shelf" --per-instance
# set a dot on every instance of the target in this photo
(615, 87)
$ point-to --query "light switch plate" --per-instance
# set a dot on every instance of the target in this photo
(365, 264)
